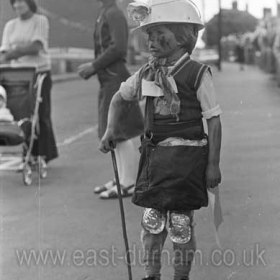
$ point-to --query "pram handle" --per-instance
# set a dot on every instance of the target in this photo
(18, 67)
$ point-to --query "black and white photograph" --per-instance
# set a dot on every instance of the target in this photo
(139, 139)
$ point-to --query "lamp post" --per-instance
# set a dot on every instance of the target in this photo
(220, 36)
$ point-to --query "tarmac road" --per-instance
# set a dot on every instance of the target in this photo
(79, 236)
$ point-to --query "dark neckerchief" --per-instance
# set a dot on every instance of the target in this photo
(157, 70)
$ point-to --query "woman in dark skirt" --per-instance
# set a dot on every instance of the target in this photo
(25, 42)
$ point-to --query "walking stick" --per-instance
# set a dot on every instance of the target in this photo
(122, 214)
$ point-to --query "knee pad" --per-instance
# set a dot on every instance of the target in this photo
(180, 227)
(153, 220)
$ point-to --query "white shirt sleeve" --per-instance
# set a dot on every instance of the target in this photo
(128, 88)
(41, 32)
(206, 95)
(5, 45)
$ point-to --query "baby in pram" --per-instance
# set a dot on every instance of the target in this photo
(11, 132)
(5, 114)
(18, 121)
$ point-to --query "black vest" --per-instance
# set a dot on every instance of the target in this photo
(190, 125)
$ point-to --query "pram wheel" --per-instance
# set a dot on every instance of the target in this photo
(42, 165)
(27, 175)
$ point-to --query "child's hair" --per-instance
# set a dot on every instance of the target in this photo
(31, 4)
(185, 34)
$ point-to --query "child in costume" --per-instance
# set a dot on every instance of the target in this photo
(178, 160)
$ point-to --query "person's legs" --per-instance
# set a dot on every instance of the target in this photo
(153, 236)
(184, 254)
(127, 163)
(185, 250)
(127, 159)
(107, 89)
(152, 246)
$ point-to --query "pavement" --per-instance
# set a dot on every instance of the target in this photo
(60, 78)
(57, 229)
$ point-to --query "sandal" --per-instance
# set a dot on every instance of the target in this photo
(105, 187)
(113, 192)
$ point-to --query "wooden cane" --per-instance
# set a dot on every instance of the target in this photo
(122, 214)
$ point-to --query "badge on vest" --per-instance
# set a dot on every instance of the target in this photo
(149, 88)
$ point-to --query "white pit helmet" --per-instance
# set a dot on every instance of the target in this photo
(155, 12)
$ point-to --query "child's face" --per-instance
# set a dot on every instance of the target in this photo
(161, 41)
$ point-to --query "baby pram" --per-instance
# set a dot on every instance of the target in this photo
(23, 87)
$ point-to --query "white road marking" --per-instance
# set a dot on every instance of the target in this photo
(9, 162)
(78, 136)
